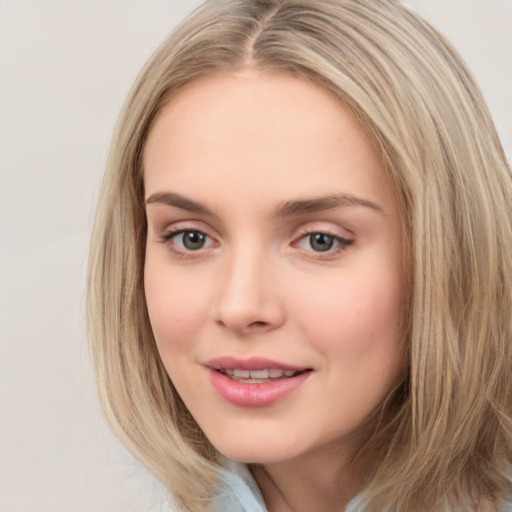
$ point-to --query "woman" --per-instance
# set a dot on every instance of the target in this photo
(299, 264)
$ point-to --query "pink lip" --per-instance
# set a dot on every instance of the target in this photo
(254, 394)
(252, 363)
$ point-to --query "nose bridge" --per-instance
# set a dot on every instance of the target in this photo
(247, 296)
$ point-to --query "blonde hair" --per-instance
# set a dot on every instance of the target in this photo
(447, 443)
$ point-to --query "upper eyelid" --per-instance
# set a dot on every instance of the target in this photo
(314, 226)
(324, 227)
(177, 230)
(186, 225)
(171, 233)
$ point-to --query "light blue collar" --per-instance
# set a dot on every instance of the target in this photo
(239, 492)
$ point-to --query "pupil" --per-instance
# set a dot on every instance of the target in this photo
(321, 242)
(193, 240)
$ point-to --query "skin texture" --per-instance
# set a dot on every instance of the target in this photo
(240, 145)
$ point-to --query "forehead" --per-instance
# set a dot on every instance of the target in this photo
(259, 134)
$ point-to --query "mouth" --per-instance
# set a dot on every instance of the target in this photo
(257, 388)
(258, 376)
(255, 382)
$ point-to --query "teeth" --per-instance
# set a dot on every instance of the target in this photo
(272, 373)
(259, 374)
(244, 374)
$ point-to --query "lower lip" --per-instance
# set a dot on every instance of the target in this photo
(255, 395)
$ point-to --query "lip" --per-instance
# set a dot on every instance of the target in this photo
(252, 363)
(254, 395)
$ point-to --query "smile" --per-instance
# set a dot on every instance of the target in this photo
(255, 382)
(257, 376)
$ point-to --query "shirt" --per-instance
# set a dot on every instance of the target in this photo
(240, 493)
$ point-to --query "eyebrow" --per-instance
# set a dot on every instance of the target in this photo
(178, 201)
(320, 204)
(285, 209)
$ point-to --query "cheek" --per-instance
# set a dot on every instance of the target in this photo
(357, 320)
(176, 306)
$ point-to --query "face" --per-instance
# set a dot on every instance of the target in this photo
(273, 273)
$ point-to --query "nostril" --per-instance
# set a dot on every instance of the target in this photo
(258, 324)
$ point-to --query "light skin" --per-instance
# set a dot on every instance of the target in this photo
(274, 232)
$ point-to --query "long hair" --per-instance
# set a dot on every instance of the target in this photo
(447, 443)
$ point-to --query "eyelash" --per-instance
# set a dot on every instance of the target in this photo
(169, 237)
(342, 243)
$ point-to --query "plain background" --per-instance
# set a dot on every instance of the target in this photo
(66, 67)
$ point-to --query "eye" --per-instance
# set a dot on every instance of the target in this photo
(323, 242)
(187, 240)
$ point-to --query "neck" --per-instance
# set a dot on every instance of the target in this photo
(324, 482)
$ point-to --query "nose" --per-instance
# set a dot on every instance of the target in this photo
(249, 300)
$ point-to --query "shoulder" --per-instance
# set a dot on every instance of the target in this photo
(238, 491)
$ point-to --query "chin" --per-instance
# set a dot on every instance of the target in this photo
(256, 451)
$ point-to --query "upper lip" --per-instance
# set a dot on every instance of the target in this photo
(251, 363)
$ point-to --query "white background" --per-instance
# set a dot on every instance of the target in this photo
(66, 67)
